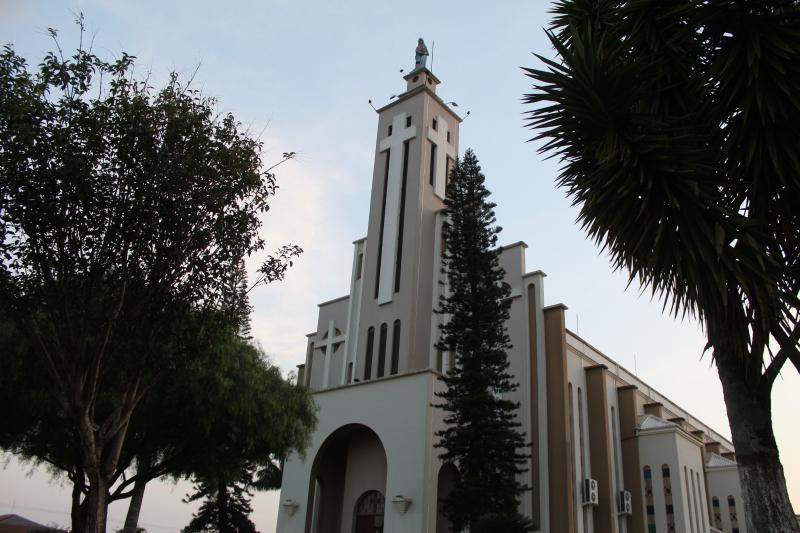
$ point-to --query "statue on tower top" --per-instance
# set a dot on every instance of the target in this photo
(421, 54)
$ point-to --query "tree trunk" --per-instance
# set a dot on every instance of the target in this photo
(96, 506)
(78, 510)
(135, 506)
(766, 501)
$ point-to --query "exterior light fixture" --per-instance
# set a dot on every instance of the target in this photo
(290, 506)
(401, 503)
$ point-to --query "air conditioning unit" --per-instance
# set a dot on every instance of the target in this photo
(625, 505)
(591, 494)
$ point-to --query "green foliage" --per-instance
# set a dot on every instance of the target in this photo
(482, 437)
(225, 510)
(677, 125)
(502, 522)
(125, 215)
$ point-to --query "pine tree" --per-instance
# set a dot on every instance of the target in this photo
(482, 437)
(226, 508)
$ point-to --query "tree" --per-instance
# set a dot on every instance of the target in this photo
(230, 412)
(677, 124)
(124, 211)
(481, 436)
(225, 510)
(258, 417)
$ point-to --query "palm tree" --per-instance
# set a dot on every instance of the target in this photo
(678, 128)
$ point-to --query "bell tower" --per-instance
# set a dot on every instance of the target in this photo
(416, 144)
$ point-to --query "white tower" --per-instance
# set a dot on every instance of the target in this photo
(371, 361)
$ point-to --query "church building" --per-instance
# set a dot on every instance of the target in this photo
(609, 454)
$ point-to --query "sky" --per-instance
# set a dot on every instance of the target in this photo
(299, 74)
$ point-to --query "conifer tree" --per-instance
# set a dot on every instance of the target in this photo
(226, 507)
(482, 437)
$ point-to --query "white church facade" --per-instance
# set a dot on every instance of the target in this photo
(609, 454)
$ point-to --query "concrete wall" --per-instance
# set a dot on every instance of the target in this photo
(397, 410)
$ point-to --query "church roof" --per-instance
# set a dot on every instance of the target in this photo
(650, 422)
(717, 461)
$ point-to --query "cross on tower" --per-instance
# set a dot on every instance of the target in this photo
(332, 339)
(400, 133)
(444, 149)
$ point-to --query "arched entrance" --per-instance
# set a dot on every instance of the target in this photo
(369, 512)
(348, 468)
(447, 477)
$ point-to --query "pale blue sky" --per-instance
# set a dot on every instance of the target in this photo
(301, 72)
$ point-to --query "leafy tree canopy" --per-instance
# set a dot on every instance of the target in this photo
(125, 212)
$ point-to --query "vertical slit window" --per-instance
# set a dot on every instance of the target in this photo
(408, 122)
(582, 450)
(368, 359)
(310, 365)
(576, 483)
(395, 347)
(432, 171)
(349, 377)
(668, 504)
(701, 503)
(383, 220)
(695, 496)
(448, 166)
(359, 265)
(617, 458)
(689, 498)
(715, 508)
(435, 124)
(732, 514)
(399, 259)
(650, 506)
(382, 351)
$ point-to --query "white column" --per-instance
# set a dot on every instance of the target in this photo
(394, 142)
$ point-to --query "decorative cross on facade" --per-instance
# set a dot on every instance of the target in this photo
(444, 150)
(399, 134)
(332, 340)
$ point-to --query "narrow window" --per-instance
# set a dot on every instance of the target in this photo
(732, 511)
(395, 347)
(390, 130)
(359, 264)
(617, 459)
(435, 124)
(368, 360)
(408, 122)
(582, 450)
(648, 499)
(448, 166)
(383, 220)
(695, 498)
(382, 351)
(576, 483)
(703, 505)
(689, 498)
(432, 173)
(349, 378)
(448, 136)
(668, 505)
(717, 512)
(310, 357)
(399, 258)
